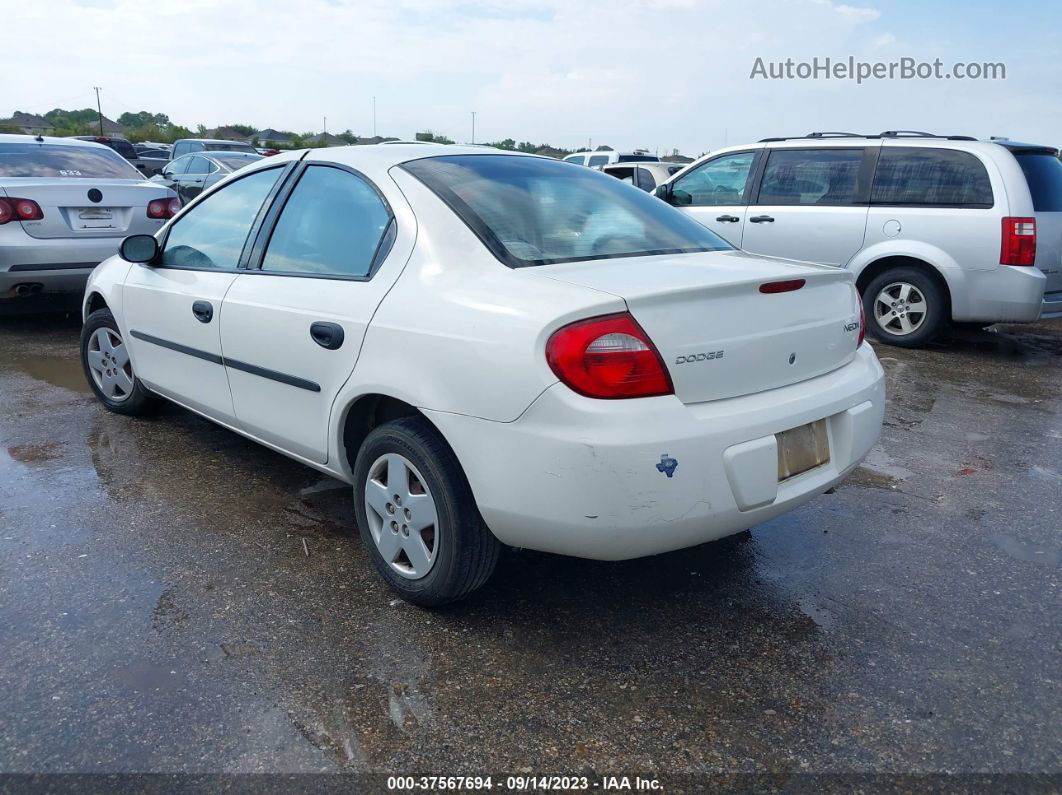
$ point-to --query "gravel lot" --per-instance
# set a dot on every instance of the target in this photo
(174, 598)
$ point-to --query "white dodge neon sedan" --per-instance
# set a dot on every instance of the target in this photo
(492, 349)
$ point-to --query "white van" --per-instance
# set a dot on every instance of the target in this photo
(607, 156)
(936, 228)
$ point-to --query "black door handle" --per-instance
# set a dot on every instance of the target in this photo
(203, 311)
(327, 335)
(728, 219)
(761, 219)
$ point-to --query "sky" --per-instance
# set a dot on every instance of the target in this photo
(656, 74)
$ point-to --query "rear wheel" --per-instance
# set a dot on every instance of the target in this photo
(105, 359)
(417, 516)
(904, 307)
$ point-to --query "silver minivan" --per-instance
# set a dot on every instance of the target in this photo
(937, 229)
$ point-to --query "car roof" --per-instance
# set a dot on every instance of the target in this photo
(16, 138)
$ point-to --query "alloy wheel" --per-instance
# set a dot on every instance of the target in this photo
(402, 517)
(108, 362)
(900, 309)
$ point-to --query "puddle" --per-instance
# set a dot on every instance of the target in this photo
(56, 370)
(35, 453)
(872, 479)
(1026, 552)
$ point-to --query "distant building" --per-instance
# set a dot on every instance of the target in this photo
(28, 123)
(272, 139)
(225, 134)
(110, 128)
(324, 139)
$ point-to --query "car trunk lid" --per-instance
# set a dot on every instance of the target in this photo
(119, 209)
(719, 334)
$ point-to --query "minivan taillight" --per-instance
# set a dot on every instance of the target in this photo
(163, 208)
(608, 357)
(1019, 242)
(12, 209)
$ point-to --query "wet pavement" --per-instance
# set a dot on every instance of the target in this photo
(174, 598)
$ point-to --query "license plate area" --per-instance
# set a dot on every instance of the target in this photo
(801, 449)
(95, 214)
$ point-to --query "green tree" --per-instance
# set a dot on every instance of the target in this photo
(143, 119)
(431, 137)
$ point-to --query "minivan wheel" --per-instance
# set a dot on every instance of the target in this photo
(904, 307)
(417, 517)
(108, 369)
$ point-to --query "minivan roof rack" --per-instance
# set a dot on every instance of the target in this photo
(885, 134)
(918, 134)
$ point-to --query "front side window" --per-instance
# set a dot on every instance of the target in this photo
(60, 160)
(810, 176)
(212, 234)
(536, 211)
(199, 165)
(179, 166)
(921, 176)
(579, 160)
(717, 182)
(332, 225)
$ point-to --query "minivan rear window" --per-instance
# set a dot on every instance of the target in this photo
(1043, 172)
(924, 177)
(62, 160)
(537, 211)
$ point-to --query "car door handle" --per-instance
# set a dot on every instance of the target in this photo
(761, 219)
(203, 311)
(728, 219)
(327, 335)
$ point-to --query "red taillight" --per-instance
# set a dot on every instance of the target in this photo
(12, 209)
(1019, 241)
(782, 287)
(862, 319)
(608, 357)
(163, 208)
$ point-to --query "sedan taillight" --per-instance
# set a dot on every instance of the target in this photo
(12, 209)
(163, 208)
(608, 357)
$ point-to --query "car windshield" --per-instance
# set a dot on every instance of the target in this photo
(62, 160)
(231, 147)
(235, 160)
(536, 211)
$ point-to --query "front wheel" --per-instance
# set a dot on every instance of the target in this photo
(417, 516)
(904, 307)
(108, 369)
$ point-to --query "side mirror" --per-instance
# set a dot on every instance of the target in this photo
(139, 248)
(663, 192)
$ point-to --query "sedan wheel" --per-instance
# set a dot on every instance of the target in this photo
(900, 309)
(108, 363)
(402, 516)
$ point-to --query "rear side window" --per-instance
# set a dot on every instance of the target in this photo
(1043, 172)
(212, 234)
(122, 147)
(54, 160)
(331, 225)
(810, 176)
(924, 177)
(534, 211)
(598, 160)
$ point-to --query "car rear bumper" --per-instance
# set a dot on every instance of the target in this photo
(60, 265)
(1052, 305)
(1004, 294)
(590, 478)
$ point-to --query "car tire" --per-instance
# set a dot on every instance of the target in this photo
(426, 564)
(887, 302)
(108, 369)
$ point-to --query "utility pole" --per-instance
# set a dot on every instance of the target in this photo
(99, 109)
(473, 126)
(325, 128)
(374, 117)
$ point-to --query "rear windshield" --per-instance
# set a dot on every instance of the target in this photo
(53, 160)
(232, 147)
(536, 211)
(636, 159)
(237, 160)
(1043, 172)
